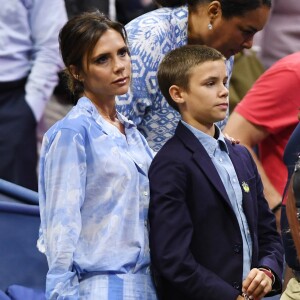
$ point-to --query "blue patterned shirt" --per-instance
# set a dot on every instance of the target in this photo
(151, 36)
(219, 154)
(94, 196)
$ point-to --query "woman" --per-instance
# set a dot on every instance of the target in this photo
(227, 25)
(93, 185)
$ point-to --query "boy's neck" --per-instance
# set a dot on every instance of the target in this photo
(208, 129)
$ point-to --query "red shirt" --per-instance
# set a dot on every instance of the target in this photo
(273, 103)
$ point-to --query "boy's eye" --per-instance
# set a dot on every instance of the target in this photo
(210, 83)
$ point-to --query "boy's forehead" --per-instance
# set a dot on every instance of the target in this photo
(210, 66)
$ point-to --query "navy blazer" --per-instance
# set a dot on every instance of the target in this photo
(195, 239)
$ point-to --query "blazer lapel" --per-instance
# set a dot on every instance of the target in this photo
(202, 159)
(247, 203)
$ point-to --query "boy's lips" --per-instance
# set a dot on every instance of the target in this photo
(223, 105)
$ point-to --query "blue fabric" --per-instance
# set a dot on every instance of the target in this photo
(218, 152)
(94, 196)
(3, 296)
(151, 36)
(19, 208)
(29, 44)
(18, 192)
(18, 292)
(20, 261)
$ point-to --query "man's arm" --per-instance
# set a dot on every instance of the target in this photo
(45, 20)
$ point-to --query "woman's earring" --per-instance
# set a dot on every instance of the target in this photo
(210, 27)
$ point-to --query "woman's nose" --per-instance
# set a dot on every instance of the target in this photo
(119, 65)
(247, 44)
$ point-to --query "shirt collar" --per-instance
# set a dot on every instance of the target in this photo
(208, 142)
(86, 104)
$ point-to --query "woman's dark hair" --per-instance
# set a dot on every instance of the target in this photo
(78, 38)
(230, 8)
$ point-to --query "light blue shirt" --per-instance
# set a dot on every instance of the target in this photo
(94, 197)
(151, 36)
(29, 47)
(219, 154)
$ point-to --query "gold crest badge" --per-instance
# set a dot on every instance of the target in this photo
(245, 187)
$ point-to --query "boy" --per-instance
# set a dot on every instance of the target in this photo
(212, 235)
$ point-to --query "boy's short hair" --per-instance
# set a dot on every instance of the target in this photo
(176, 66)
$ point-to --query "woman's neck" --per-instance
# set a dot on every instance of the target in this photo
(109, 113)
(196, 26)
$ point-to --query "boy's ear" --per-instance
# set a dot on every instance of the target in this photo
(176, 93)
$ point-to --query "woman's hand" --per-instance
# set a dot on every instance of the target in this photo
(231, 139)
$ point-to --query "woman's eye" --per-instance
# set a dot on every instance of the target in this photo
(247, 34)
(123, 52)
(102, 59)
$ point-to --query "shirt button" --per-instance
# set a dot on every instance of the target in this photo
(236, 285)
(140, 165)
(221, 159)
(233, 180)
(145, 193)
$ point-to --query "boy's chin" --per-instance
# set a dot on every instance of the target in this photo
(220, 119)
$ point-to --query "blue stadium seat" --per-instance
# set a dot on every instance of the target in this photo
(20, 261)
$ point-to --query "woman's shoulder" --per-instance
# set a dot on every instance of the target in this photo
(157, 21)
(78, 119)
(152, 34)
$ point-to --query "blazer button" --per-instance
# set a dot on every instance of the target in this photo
(237, 248)
(236, 285)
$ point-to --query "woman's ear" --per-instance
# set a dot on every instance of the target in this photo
(176, 94)
(75, 72)
(214, 10)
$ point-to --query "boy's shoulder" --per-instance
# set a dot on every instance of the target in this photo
(171, 147)
(241, 156)
(237, 149)
(172, 152)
